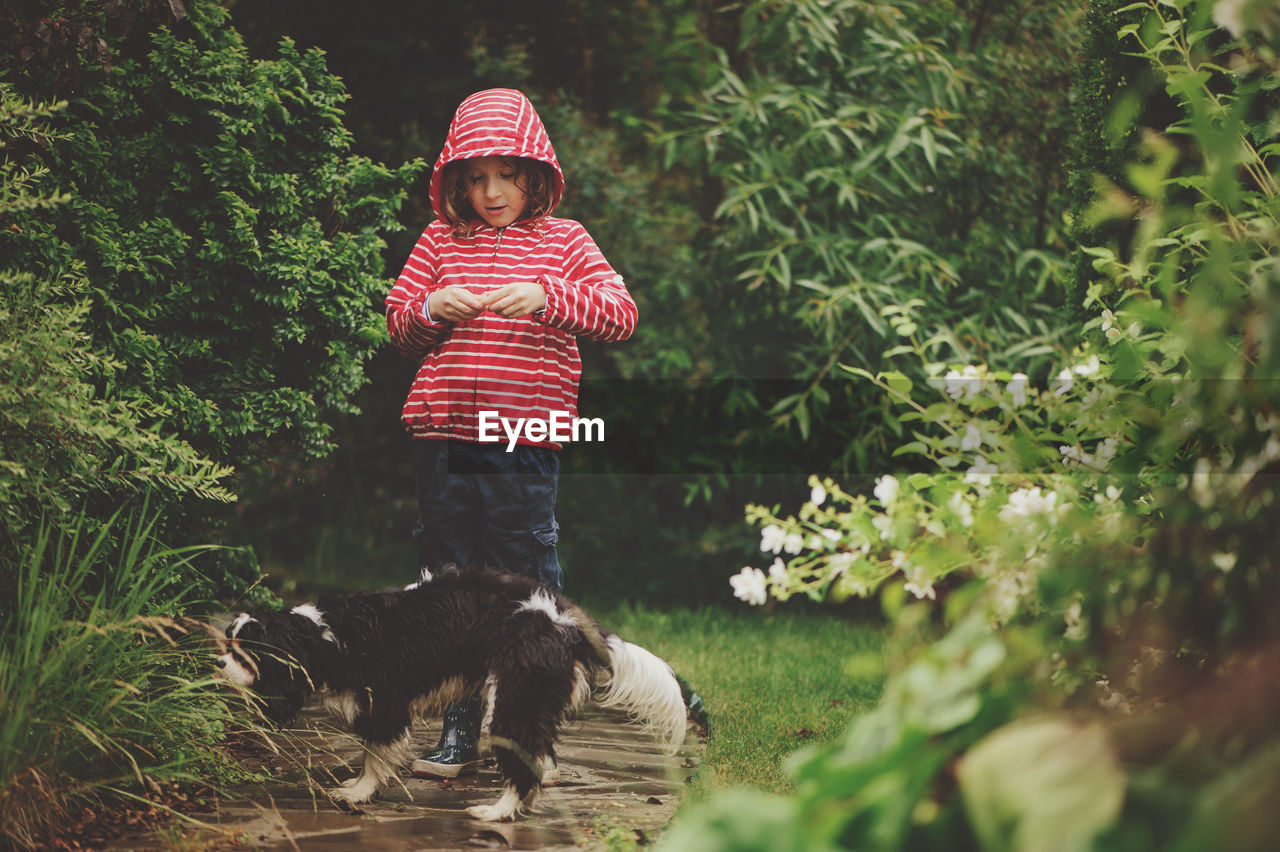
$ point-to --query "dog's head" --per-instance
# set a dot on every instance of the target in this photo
(263, 653)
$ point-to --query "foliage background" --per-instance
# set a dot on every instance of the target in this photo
(728, 394)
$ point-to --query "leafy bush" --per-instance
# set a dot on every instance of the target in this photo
(1161, 415)
(64, 445)
(212, 279)
(857, 149)
(232, 237)
(1113, 514)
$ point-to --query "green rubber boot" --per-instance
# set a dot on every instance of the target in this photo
(457, 753)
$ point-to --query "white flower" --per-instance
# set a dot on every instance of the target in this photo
(1076, 627)
(1017, 388)
(1074, 456)
(793, 543)
(1107, 450)
(921, 590)
(1240, 16)
(778, 574)
(884, 524)
(1202, 483)
(1229, 14)
(917, 584)
(1111, 495)
(962, 509)
(1108, 325)
(857, 587)
(886, 490)
(749, 585)
(1026, 502)
(963, 385)
(1111, 329)
(818, 495)
(972, 439)
(771, 538)
(1111, 699)
(981, 472)
(831, 535)
(840, 562)
(1065, 381)
(1224, 562)
(1089, 368)
(1005, 591)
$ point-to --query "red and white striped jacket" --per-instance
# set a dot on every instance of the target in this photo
(519, 368)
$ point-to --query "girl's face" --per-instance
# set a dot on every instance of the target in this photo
(492, 190)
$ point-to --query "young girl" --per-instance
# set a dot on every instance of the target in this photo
(490, 303)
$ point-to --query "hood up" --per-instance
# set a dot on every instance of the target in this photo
(496, 123)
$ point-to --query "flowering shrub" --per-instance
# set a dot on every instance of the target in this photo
(1020, 470)
(1166, 411)
(1113, 514)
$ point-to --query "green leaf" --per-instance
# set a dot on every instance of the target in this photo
(897, 382)
(1045, 783)
(917, 447)
(930, 148)
(858, 371)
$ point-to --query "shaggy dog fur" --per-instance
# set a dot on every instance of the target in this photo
(381, 659)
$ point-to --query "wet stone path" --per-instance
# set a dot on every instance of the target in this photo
(615, 778)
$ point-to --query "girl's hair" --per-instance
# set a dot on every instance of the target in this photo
(536, 179)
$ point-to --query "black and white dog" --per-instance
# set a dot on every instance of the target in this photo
(380, 660)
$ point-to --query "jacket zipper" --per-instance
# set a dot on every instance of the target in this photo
(493, 268)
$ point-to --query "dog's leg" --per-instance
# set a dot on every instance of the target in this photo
(381, 760)
(503, 810)
(528, 703)
(549, 770)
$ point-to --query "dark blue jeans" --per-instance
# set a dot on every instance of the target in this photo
(479, 505)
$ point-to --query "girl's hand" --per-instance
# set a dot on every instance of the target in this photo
(454, 304)
(517, 300)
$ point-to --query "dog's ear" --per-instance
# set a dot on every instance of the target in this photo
(250, 629)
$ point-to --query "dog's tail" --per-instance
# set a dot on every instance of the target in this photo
(643, 684)
(631, 678)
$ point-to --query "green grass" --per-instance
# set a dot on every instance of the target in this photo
(771, 682)
(100, 703)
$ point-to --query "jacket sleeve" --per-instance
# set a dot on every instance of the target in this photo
(590, 300)
(411, 332)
